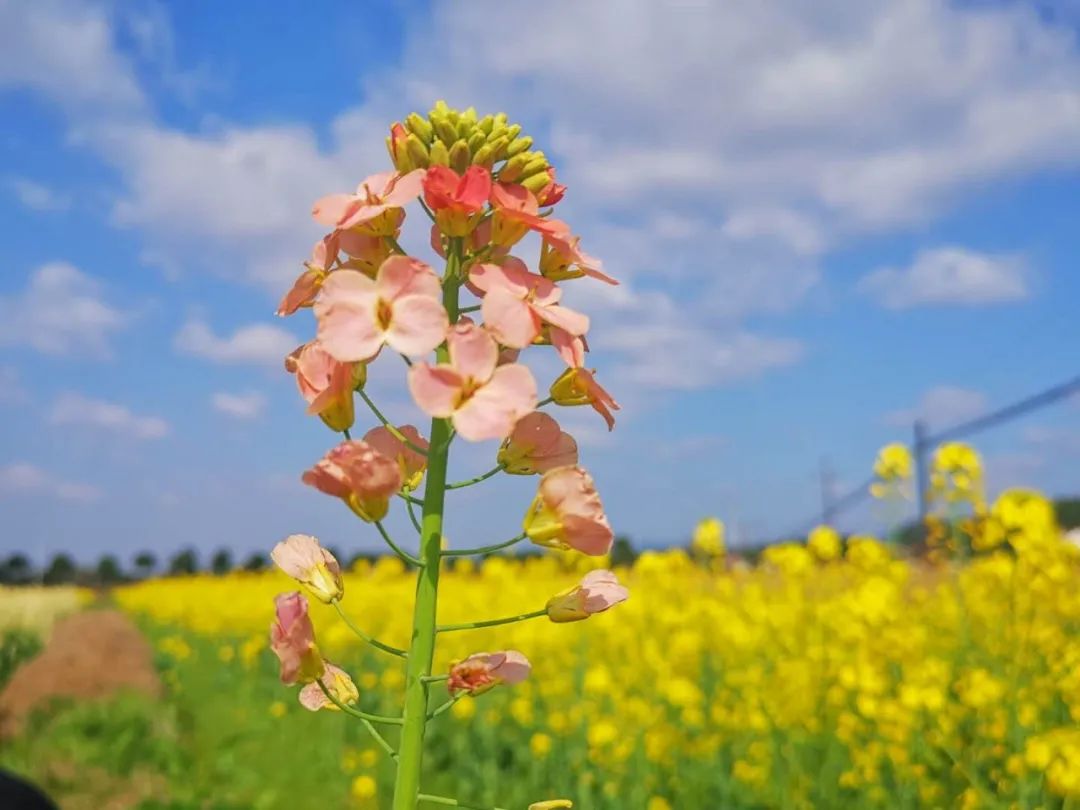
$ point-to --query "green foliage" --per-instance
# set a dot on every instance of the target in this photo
(16, 647)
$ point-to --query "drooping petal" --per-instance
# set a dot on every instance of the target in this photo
(435, 389)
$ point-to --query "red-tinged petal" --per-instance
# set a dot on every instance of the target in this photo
(434, 389)
(512, 197)
(418, 324)
(302, 293)
(591, 537)
(473, 352)
(335, 208)
(570, 348)
(403, 189)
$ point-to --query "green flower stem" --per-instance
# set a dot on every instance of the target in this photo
(474, 308)
(405, 496)
(427, 797)
(406, 556)
(436, 678)
(468, 552)
(444, 707)
(348, 436)
(386, 423)
(371, 718)
(544, 402)
(379, 738)
(422, 646)
(449, 628)
(412, 516)
(468, 483)
(374, 642)
(395, 245)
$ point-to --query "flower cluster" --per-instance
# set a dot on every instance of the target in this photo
(484, 189)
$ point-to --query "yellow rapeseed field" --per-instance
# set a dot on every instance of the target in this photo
(825, 674)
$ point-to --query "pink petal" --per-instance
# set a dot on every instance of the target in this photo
(509, 319)
(569, 320)
(404, 189)
(418, 325)
(473, 352)
(434, 389)
(494, 409)
(334, 208)
(404, 275)
(569, 347)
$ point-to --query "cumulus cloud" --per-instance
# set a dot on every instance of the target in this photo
(62, 311)
(941, 407)
(76, 409)
(255, 344)
(948, 275)
(20, 479)
(38, 196)
(249, 405)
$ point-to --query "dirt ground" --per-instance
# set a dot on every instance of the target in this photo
(88, 655)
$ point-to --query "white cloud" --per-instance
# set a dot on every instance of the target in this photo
(75, 409)
(793, 229)
(948, 275)
(21, 479)
(248, 405)
(60, 312)
(941, 407)
(38, 196)
(67, 51)
(255, 344)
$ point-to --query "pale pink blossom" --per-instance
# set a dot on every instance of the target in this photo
(365, 253)
(483, 399)
(358, 474)
(411, 462)
(483, 671)
(567, 513)
(457, 200)
(375, 197)
(338, 683)
(517, 304)
(578, 386)
(292, 638)
(400, 308)
(301, 557)
(597, 592)
(536, 445)
(327, 384)
(307, 284)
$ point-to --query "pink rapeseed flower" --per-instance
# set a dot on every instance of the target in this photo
(327, 384)
(305, 560)
(483, 671)
(307, 284)
(360, 475)
(401, 308)
(292, 638)
(578, 386)
(536, 445)
(483, 399)
(338, 683)
(457, 200)
(366, 253)
(411, 462)
(567, 513)
(597, 592)
(374, 208)
(517, 304)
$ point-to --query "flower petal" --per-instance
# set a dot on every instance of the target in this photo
(418, 325)
(473, 352)
(434, 389)
(495, 408)
(511, 321)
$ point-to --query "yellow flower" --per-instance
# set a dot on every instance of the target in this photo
(363, 787)
(708, 538)
(824, 543)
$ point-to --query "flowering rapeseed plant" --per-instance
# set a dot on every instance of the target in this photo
(484, 188)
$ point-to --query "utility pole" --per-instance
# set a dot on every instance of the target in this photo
(828, 489)
(919, 448)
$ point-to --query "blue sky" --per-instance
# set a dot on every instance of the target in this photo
(827, 220)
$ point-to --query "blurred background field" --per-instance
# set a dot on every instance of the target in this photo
(837, 672)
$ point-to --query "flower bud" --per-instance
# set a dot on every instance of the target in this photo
(302, 558)
(411, 463)
(292, 638)
(417, 152)
(445, 130)
(552, 804)
(481, 672)
(395, 144)
(486, 124)
(459, 156)
(537, 163)
(567, 514)
(513, 131)
(420, 126)
(598, 591)
(439, 155)
(327, 384)
(519, 145)
(578, 386)
(476, 140)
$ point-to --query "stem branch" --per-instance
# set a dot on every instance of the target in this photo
(521, 617)
(374, 642)
(468, 552)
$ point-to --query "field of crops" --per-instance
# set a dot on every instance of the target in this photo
(812, 679)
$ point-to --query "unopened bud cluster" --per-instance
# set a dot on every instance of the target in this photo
(448, 137)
